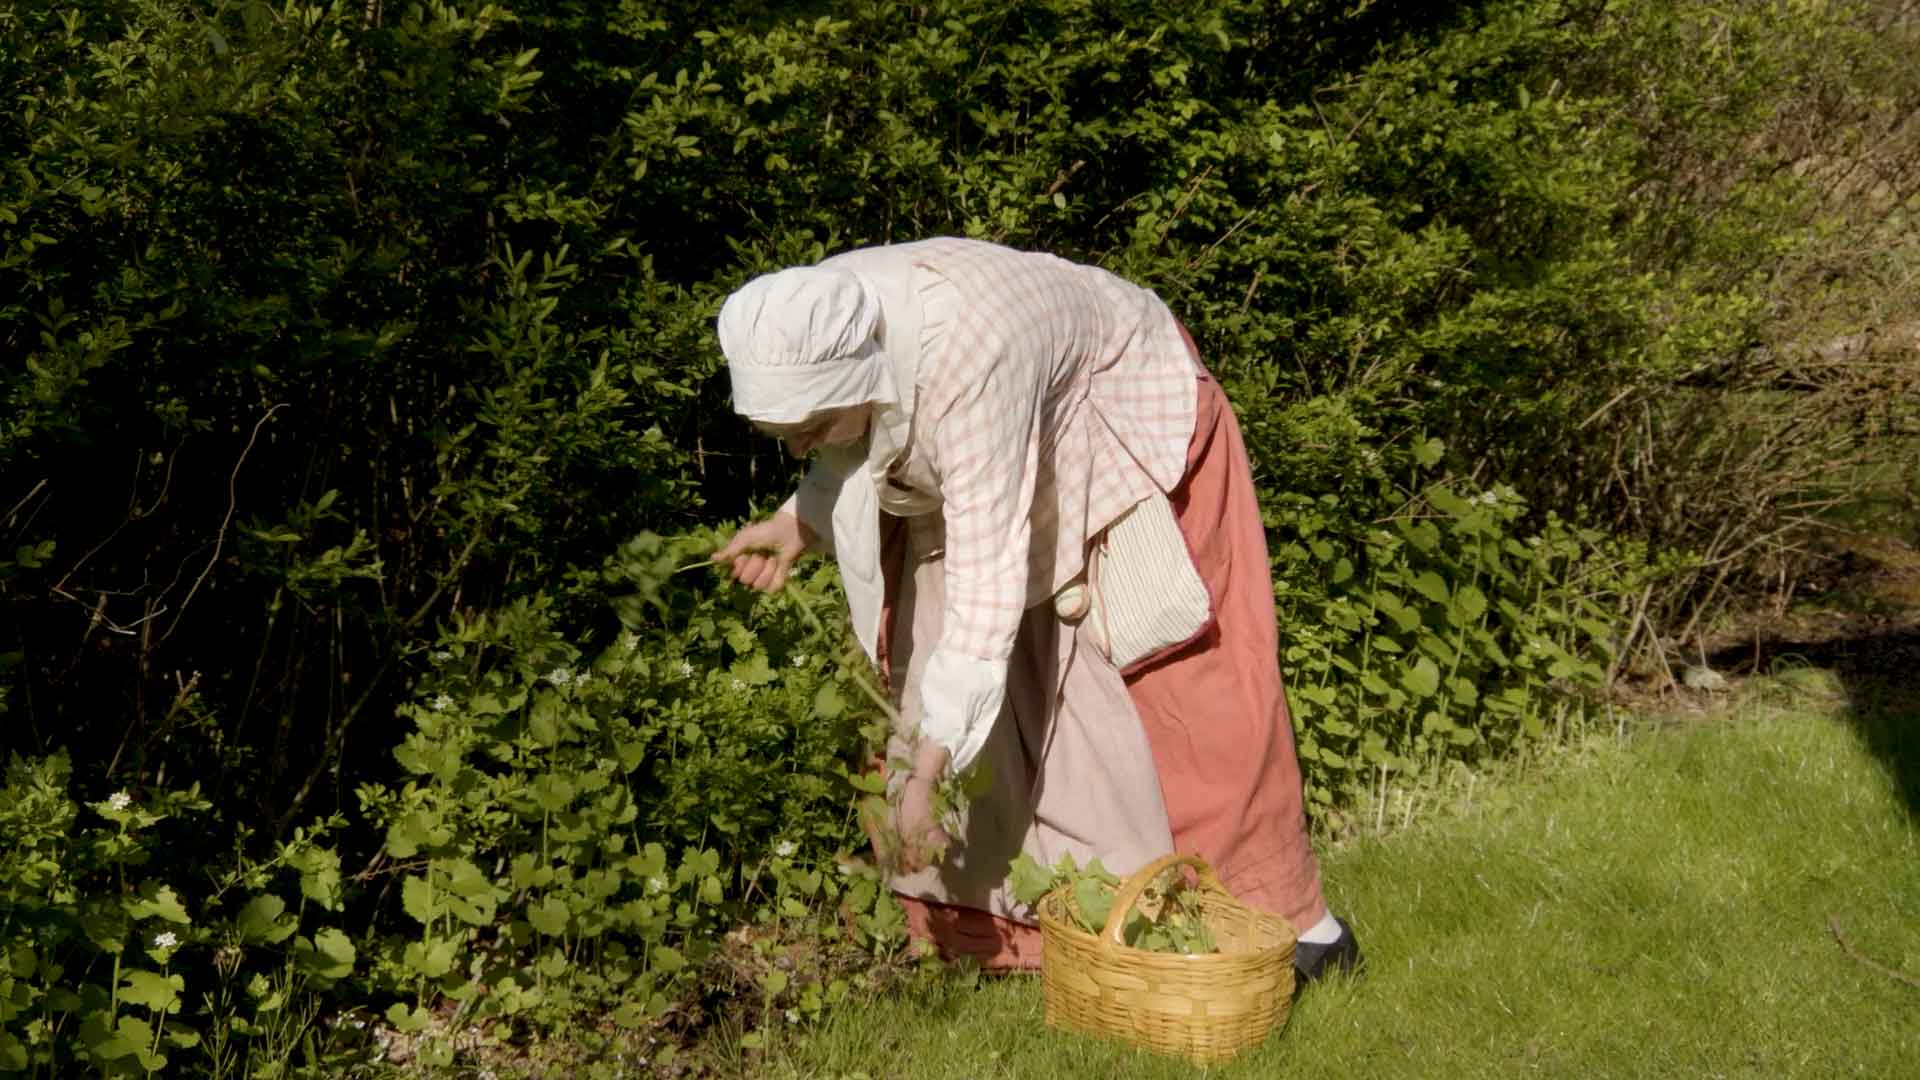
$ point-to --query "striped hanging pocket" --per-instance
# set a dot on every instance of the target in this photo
(1147, 597)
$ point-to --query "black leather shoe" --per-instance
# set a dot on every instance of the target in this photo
(1311, 961)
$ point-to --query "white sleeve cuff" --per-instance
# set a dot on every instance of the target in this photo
(960, 699)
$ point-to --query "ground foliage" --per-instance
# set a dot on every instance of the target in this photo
(351, 346)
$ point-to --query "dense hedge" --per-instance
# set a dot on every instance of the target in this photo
(334, 326)
(349, 346)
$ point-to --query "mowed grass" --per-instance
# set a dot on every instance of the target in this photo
(1655, 904)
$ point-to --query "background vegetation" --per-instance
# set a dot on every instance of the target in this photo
(351, 346)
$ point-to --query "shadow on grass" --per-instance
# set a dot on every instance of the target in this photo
(1878, 665)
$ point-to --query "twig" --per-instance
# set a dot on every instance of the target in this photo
(1064, 175)
(1833, 924)
(220, 538)
(1602, 410)
(24, 499)
(1626, 643)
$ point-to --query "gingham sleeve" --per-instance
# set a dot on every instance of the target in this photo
(987, 443)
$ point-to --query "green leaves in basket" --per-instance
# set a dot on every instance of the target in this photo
(1166, 919)
(1177, 924)
(1029, 879)
(1092, 901)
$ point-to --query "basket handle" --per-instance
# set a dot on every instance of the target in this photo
(1137, 883)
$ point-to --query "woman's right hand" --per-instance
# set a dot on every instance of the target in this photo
(763, 553)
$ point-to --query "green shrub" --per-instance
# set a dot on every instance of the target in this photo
(577, 830)
(116, 960)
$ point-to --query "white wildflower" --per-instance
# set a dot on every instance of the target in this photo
(800, 659)
(656, 884)
(560, 676)
(793, 1016)
(120, 800)
(738, 684)
(441, 656)
(686, 669)
(165, 940)
(785, 849)
(629, 641)
(441, 702)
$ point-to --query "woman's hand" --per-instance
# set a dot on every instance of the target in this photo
(763, 553)
(921, 837)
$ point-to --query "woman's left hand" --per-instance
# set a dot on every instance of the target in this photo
(921, 837)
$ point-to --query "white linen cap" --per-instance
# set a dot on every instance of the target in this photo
(801, 341)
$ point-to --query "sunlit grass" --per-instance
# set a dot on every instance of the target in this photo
(1656, 905)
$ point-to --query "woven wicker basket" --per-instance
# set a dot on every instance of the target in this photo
(1207, 1008)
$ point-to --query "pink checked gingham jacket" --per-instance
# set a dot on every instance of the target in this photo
(1050, 399)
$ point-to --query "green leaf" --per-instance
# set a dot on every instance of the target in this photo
(754, 670)
(528, 873)
(405, 1020)
(1429, 584)
(1447, 502)
(1424, 535)
(1465, 693)
(432, 957)
(319, 876)
(871, 783)
(13, 1055)
(827, 702)
(329, 955)
(553, 793)
(129, 1037)
(260, 921)
(155, 991)
(470, 895)
(650, 860)
(1428, 452)
(1094, 901)
(666, 959)
(158, 902)
(550, 917)
(1423, 678)
(417, 898)
(1469, 603)
(1030, 880)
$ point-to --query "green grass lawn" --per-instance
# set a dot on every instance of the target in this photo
(1656, 904)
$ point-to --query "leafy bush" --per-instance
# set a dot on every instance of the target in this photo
(576, 830)
(1442, 632)
(109, 964)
